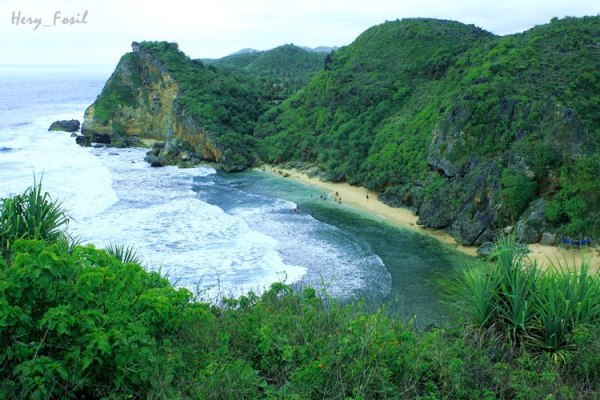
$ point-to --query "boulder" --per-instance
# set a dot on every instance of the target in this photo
(486, 249)
(531, 225)
(66, 126)
(83, 141)
(548, 239)
(101, 138)
(155, 161)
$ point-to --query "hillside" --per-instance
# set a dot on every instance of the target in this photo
(282, 70)
(477, 133)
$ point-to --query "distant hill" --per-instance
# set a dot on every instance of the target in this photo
(283, 70)
(244, 51)
(320, 49)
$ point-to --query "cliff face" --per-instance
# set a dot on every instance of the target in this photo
(139, 102)
(150, 95)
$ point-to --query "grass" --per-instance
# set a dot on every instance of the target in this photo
(528, 307)
(32, 215)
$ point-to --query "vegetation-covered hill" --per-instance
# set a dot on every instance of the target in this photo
(479, 134)
(473, 131)
(77, 322)
(282, 70)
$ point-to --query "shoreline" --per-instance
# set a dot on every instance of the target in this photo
(367, 201)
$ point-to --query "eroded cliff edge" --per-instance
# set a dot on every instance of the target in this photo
(195, 112)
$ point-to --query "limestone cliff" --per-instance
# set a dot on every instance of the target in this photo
(153, 95)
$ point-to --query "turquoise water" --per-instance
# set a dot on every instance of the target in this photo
(414, 263)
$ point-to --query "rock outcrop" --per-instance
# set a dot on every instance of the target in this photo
(144, 101)
(65, 125)
(151, 111)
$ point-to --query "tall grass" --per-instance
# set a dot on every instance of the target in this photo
(125, 254)
(30, 215)
(538, 309)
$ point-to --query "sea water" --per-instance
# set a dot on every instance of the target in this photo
(217, 234)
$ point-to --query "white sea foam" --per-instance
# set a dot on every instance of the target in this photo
(173, 230)
(334, 260)
(72, 174)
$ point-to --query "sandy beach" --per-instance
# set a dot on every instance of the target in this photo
(366, 200)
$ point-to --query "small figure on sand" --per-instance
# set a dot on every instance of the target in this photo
(337, 198)
(367, 197)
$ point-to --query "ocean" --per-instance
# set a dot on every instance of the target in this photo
(215, 233)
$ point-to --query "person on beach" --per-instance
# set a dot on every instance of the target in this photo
(367, 197)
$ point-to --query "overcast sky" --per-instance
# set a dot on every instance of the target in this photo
(220, 27)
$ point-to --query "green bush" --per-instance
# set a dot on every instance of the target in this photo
(517, 191)
(537, 309)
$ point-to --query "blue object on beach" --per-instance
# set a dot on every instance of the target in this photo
(583, 242)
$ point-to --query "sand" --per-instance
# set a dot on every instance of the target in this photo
(356, 197)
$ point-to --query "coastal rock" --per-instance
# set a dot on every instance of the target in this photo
(465, 206)
(155, 161)
(83, 141)
(150, 109)
(548, 239)
(436, 212)
(486, 249)
(473, 229)
(65, 125)
(531, 225)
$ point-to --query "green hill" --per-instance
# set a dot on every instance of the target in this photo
(282, 70)
(475, 132)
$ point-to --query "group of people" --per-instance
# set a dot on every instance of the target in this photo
(336, 198)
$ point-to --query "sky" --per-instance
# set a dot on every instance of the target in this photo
(100, 31)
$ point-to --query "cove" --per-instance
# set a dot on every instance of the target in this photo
(415, 263)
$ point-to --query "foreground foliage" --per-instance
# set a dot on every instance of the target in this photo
(542, 310)
(76, 322)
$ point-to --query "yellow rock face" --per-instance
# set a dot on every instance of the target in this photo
(152, 115)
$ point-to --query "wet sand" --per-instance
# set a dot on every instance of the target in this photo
(366, 200)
